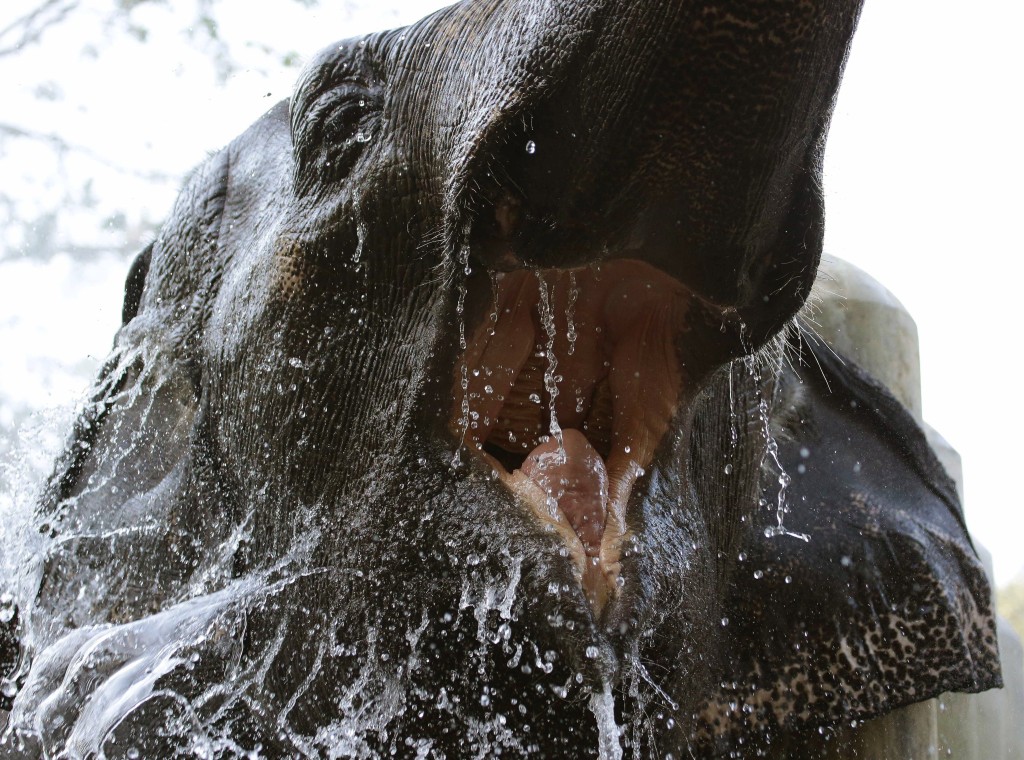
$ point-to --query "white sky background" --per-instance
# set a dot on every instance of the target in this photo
(923, 184)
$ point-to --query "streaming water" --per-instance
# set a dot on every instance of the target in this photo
(734, 432)
(570, 313)
(602, 705)
(460, 315)
(772, 448)
(362, 232)
(492, 319)
(547, 319)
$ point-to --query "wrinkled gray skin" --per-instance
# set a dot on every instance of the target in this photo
(258, 536)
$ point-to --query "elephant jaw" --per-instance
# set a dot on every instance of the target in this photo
(566, 390)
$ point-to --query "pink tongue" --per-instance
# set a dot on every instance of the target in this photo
(574, 478)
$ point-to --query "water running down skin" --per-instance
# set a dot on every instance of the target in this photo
(256, 537)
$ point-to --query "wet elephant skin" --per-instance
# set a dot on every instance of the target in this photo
(279, 527)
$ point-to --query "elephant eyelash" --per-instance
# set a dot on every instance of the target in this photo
(331, 133)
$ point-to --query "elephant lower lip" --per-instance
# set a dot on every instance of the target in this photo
(566, 390)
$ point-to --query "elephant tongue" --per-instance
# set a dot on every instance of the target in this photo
(574, 479)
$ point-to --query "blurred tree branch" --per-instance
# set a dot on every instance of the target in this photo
(60, 145)
(49, 202)
(30, 27)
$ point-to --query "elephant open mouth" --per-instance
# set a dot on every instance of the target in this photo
(566, 389)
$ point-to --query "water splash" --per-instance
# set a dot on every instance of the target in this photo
(23, 473)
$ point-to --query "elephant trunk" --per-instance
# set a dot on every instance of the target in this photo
(685, 134)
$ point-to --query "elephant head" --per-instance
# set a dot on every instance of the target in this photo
(448, 411)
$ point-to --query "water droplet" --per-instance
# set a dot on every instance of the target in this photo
(531, 147)
(728, 469)
(758, 574)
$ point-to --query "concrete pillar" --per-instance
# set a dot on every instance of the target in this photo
(1012, 694)
(858, 317)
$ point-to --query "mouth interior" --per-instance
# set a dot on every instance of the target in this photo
(566, 389)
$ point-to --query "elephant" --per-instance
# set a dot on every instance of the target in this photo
(466, 405)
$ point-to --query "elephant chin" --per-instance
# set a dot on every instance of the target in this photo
(566, 389)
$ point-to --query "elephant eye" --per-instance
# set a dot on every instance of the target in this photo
(332, 132)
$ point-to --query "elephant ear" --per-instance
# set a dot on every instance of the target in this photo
(885, 603)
